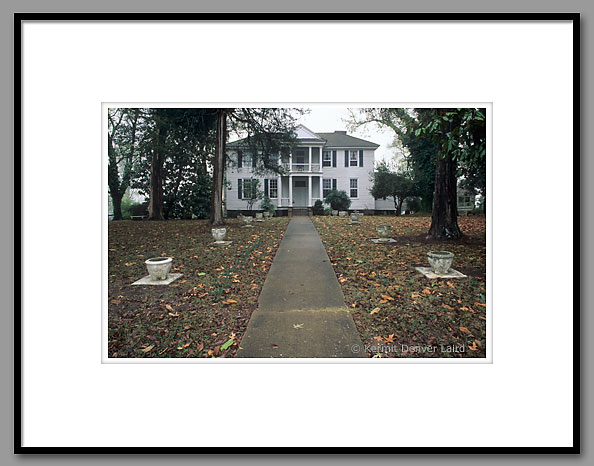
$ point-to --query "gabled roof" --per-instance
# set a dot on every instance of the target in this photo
(341, 139)
(337, 139)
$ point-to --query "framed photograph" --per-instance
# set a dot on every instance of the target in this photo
(327, 225)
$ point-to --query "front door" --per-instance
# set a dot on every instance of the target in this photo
(299, 193)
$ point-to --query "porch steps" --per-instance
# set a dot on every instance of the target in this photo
(300, 212)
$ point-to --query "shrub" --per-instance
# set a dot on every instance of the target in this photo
(318, 208)
(338, 200)
(266, 205)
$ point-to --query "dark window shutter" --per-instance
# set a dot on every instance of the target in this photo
(239, 186)
(266, 187)
(334, 158)
(239, 159)
(360, 158)
(346, 158)
(334, 184)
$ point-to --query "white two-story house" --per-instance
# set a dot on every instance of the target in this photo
(320, 163)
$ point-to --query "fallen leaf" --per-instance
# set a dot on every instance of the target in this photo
(168, 307)
(378, 338)
(227, 344)
(147, 349)
(375, 311)
(389, 298)
(297, 325)
(415, 295)
(473, 347)
(464, 329)
(390, 338)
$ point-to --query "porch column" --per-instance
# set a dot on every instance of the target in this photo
(321, 190)
(309, 162)
(290, 191)
(309, 203)
(290, 162)
(279, 190)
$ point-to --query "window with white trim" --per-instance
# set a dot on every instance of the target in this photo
(354, 184)
(273, 189)
(354, 158)
(327, 158)
(326, 186)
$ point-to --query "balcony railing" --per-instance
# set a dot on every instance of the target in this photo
(305, 167)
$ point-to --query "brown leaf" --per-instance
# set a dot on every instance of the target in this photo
(464, 329)
(147, 349)
(389, 298)
(168, 307)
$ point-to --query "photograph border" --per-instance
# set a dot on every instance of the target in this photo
(19, 18)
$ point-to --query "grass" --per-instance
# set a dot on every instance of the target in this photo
(203, 314)
(398, 312)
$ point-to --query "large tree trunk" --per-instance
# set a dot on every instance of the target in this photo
(216, 211)
(156, 193)
(398, 206)
(116, 201)
(444, 221)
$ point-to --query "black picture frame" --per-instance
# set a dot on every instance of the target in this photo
(19, 18)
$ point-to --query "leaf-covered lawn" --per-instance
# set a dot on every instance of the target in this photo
(399, 312)
(206, 311)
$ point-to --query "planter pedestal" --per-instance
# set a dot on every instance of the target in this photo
(168, 281)
(452, 273)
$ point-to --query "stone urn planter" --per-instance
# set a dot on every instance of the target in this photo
(383, 232)
(440, 261)
(247, 220)
(266, 214)
(259, 215)
(335, 213)
(342, 213)
(354, 217)
(159, 267)
(219, 234)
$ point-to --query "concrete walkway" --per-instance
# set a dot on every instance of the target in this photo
(301, 311)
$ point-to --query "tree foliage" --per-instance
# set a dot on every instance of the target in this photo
(123, 128)
(338, 200)
(390, 183)
(183, 138)
(451, 140)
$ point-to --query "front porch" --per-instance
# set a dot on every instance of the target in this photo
(299, 191)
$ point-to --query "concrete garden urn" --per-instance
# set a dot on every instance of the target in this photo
(247, 219)
(267, 214)
(342, 213)
(440, 261)
(355, 217)
(219, 234)
(383, 232)
(259, 215)
(335, 213)
(159, 267)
